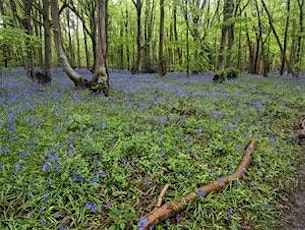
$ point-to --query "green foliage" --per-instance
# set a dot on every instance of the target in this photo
(12, 44)
(225, 74)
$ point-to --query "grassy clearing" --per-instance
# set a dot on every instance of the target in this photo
(71, 160)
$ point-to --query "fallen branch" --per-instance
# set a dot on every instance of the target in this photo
(160, 198)
(171, 208)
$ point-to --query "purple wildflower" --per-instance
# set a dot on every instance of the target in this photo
(4, 149)
(57, 168)
(46, 167)
(62, 227)
(79, 179)
(142, 222)
(42, 210)
(230, 212)
(30, 194)
(48, 181)
(17, 166)
(108, 204)
(202, 192)
(91, 206)
(94, 180)
(24, 155)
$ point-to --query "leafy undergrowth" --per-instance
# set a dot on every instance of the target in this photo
(73, 160)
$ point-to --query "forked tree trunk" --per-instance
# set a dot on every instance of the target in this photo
(62, 58)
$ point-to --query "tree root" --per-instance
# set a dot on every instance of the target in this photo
(171, 208)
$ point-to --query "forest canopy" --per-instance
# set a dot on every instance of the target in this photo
(255, 36)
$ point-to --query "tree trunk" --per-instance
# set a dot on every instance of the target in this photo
(300, 36)
(290, 69)
(226, 30)
(162, 71)
(137, 66)
(27, 24)
(285, 37)
(47, 39)
(101, 79)
(79, 64)
(78, 81)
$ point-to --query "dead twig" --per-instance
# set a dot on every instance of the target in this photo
(171, 208)
(160, 198)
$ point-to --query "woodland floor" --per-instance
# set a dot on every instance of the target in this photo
(73, 160)
(295, 215)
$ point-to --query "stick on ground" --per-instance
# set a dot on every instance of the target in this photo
(162, 194)
(171, 208)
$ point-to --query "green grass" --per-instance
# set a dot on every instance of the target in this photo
(124, 149)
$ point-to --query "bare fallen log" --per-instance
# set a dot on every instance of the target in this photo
(171, 208)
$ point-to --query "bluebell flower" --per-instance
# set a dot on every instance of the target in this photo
(108, 204)
(4, 149)
(202, 192)
(12, 128)
(56, 157)
(147, 181)
(24, 155)
(94, 180)
(142, 222)
(11, 117)
(42, 210)
(123, 161)
(230, 212)
(46, 167)
(30, 194)
(17, 166)
(79, 179)
(49, 154)
(265, 206)
(48, 181)
(102, 174)
(62, 227)
(132, 164)
(57, 168)
(91, 206)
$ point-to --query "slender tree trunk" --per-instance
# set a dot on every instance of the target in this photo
(86, 48)
(137, 67)
(300, 36)
(285, 36)
(70, 42)
(187, 38)
(47, 39)
(27, 24)
(226, 30)
(162, 71)
(290, 69)
(79, 64)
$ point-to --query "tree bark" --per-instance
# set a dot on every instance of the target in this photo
(101, 79)
(62, 58)
(290, 69)
(162, 71)
(285, 37)
(47, 39)
(137, 66)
